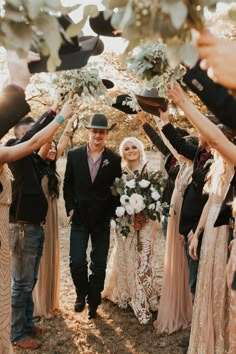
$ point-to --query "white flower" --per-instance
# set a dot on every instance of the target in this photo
(120, 211)
(151, 206)
(152, 189)
(144, 183)
(155, 195)
(124, 199)
(158, 206)
(136, 202)
(105, 163)
(129, 209)
(131, 183)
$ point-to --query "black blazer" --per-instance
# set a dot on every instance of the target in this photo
(28, 200)
(92, 203)
(193, 200)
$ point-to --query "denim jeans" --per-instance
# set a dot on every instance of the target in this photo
(26, 242)
(92, 285)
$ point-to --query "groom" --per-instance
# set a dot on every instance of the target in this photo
(90, 172)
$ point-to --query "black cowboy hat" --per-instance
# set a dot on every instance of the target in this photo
(121, 104)
(149, 101)
(74, 54)
(99, 121)
(102, 26)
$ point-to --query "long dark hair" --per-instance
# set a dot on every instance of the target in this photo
(50, 170)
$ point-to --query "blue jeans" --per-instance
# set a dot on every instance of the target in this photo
(92, 285)
(26, 241)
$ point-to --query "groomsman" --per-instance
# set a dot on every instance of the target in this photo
(90, 172)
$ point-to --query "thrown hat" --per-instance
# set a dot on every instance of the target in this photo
(150, 101)
(108, 83)
(99, 121)
(121, 104)
(102, 26)
(74, 54)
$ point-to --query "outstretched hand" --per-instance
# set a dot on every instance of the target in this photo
(176, 94)
(218, 58)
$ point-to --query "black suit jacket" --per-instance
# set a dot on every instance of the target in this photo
(193, 200)
(92, 203)
(28, 200)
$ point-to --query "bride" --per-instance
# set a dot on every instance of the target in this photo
(131, 276)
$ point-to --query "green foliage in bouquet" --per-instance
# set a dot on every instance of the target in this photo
(140, 193)
(151, 66)
(169, 20)
(83, 82)
(32, 24)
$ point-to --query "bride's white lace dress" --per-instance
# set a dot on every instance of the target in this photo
(131, 277)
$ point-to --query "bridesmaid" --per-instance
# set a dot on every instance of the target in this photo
(46, 292)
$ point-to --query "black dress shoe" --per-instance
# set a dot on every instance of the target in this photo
(79, 304)
(92, 312)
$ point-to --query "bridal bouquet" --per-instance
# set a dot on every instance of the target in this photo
(150, 65)
(140, 200)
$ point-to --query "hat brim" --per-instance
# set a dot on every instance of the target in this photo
(72, 57)
(103, 27)
(100, 127)
(152, 105)
(123, 107)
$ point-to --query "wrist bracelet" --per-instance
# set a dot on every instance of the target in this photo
(59, 119)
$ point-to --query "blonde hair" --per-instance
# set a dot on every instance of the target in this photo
(139, 145)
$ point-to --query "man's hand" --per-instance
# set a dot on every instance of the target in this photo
(193, 248)
(71, 213)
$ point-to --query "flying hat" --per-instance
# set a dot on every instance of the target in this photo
(99, 121)
(108, 83)
(74, 54)
(102, 26)
(150, 101)
(121, 104)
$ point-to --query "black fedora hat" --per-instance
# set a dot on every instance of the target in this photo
(122, 105)
(149, 101)
(102, 26)
(74, 54)
(99, 121)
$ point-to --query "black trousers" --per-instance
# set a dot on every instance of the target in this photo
(89, 284)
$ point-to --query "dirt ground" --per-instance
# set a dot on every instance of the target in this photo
(115, 331)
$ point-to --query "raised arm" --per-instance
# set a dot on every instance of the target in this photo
(210, 131)
(66, 135)
(155, 138)
(16, 152)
